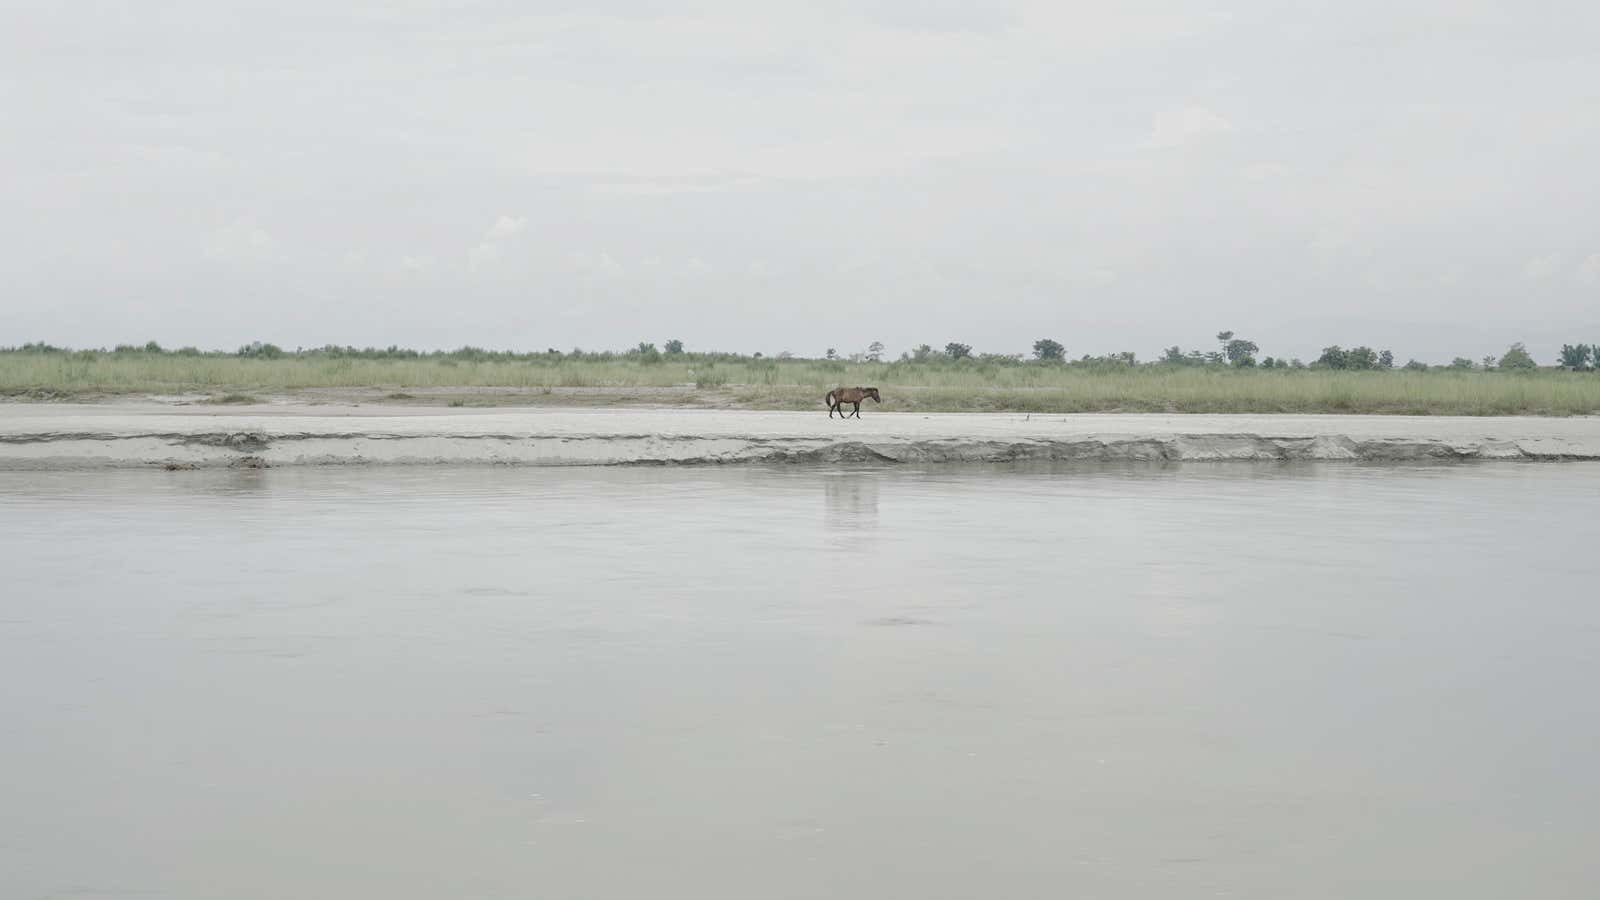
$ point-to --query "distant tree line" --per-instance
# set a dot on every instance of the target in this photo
(1232, 352)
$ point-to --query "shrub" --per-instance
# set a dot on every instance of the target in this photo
(1239, 352)
(1516, 358)
(709, 377)
(1361, 358)
(259, 350)
(1049, 350)
(1575, 356)
(233, 399)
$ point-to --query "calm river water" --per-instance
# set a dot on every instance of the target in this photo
(1236, 681)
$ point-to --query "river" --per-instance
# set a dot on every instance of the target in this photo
(1253, 680)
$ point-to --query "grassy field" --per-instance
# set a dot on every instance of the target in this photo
(743, 382)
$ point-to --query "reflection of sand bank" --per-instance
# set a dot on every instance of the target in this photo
(69, 436)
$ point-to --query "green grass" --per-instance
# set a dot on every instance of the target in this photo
(977, 385)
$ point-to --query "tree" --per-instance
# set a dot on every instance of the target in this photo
(832, 353)
(261, 351)
(1173, 355)
(921, 353)
(875, 351)
(1516, 358)
(1048, 350)
(1415, 366)
(1362, 358)
(1461, 362)
(1239, 352)
(1386, 360)
(1223, 337)
(1334, 357)
(1268, 362)
(1488, 362)
(957, 351)
(1575, 356)
(674, 347)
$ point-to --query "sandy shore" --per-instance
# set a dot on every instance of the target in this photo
(50, 436)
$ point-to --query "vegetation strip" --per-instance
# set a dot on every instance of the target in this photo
(1229, 379)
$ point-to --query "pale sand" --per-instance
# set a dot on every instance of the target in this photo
(50, 436)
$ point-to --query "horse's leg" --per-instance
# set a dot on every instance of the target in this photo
(857, 405)
(831, 408)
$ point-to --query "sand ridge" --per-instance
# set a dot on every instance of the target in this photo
(56, 436)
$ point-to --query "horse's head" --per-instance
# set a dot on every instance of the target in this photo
(873, 393)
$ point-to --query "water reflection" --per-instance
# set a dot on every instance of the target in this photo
(1123, 681)
(851, 501)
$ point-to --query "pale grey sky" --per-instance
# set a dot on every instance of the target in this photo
(753, 176)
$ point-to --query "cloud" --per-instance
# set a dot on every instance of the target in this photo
(242, 241)
(940, 15)
(1540, 268)
(1176, 127)
(668, 185)
(1589, 269)
(601, 265)
(491, 248)
(483, 255)
(505, 227)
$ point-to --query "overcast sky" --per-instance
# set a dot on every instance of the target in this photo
(756, 176)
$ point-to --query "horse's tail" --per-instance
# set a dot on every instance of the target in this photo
(828, 399)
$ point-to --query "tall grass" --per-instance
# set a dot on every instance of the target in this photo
(772, 383)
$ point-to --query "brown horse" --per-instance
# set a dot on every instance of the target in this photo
(838, 397)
